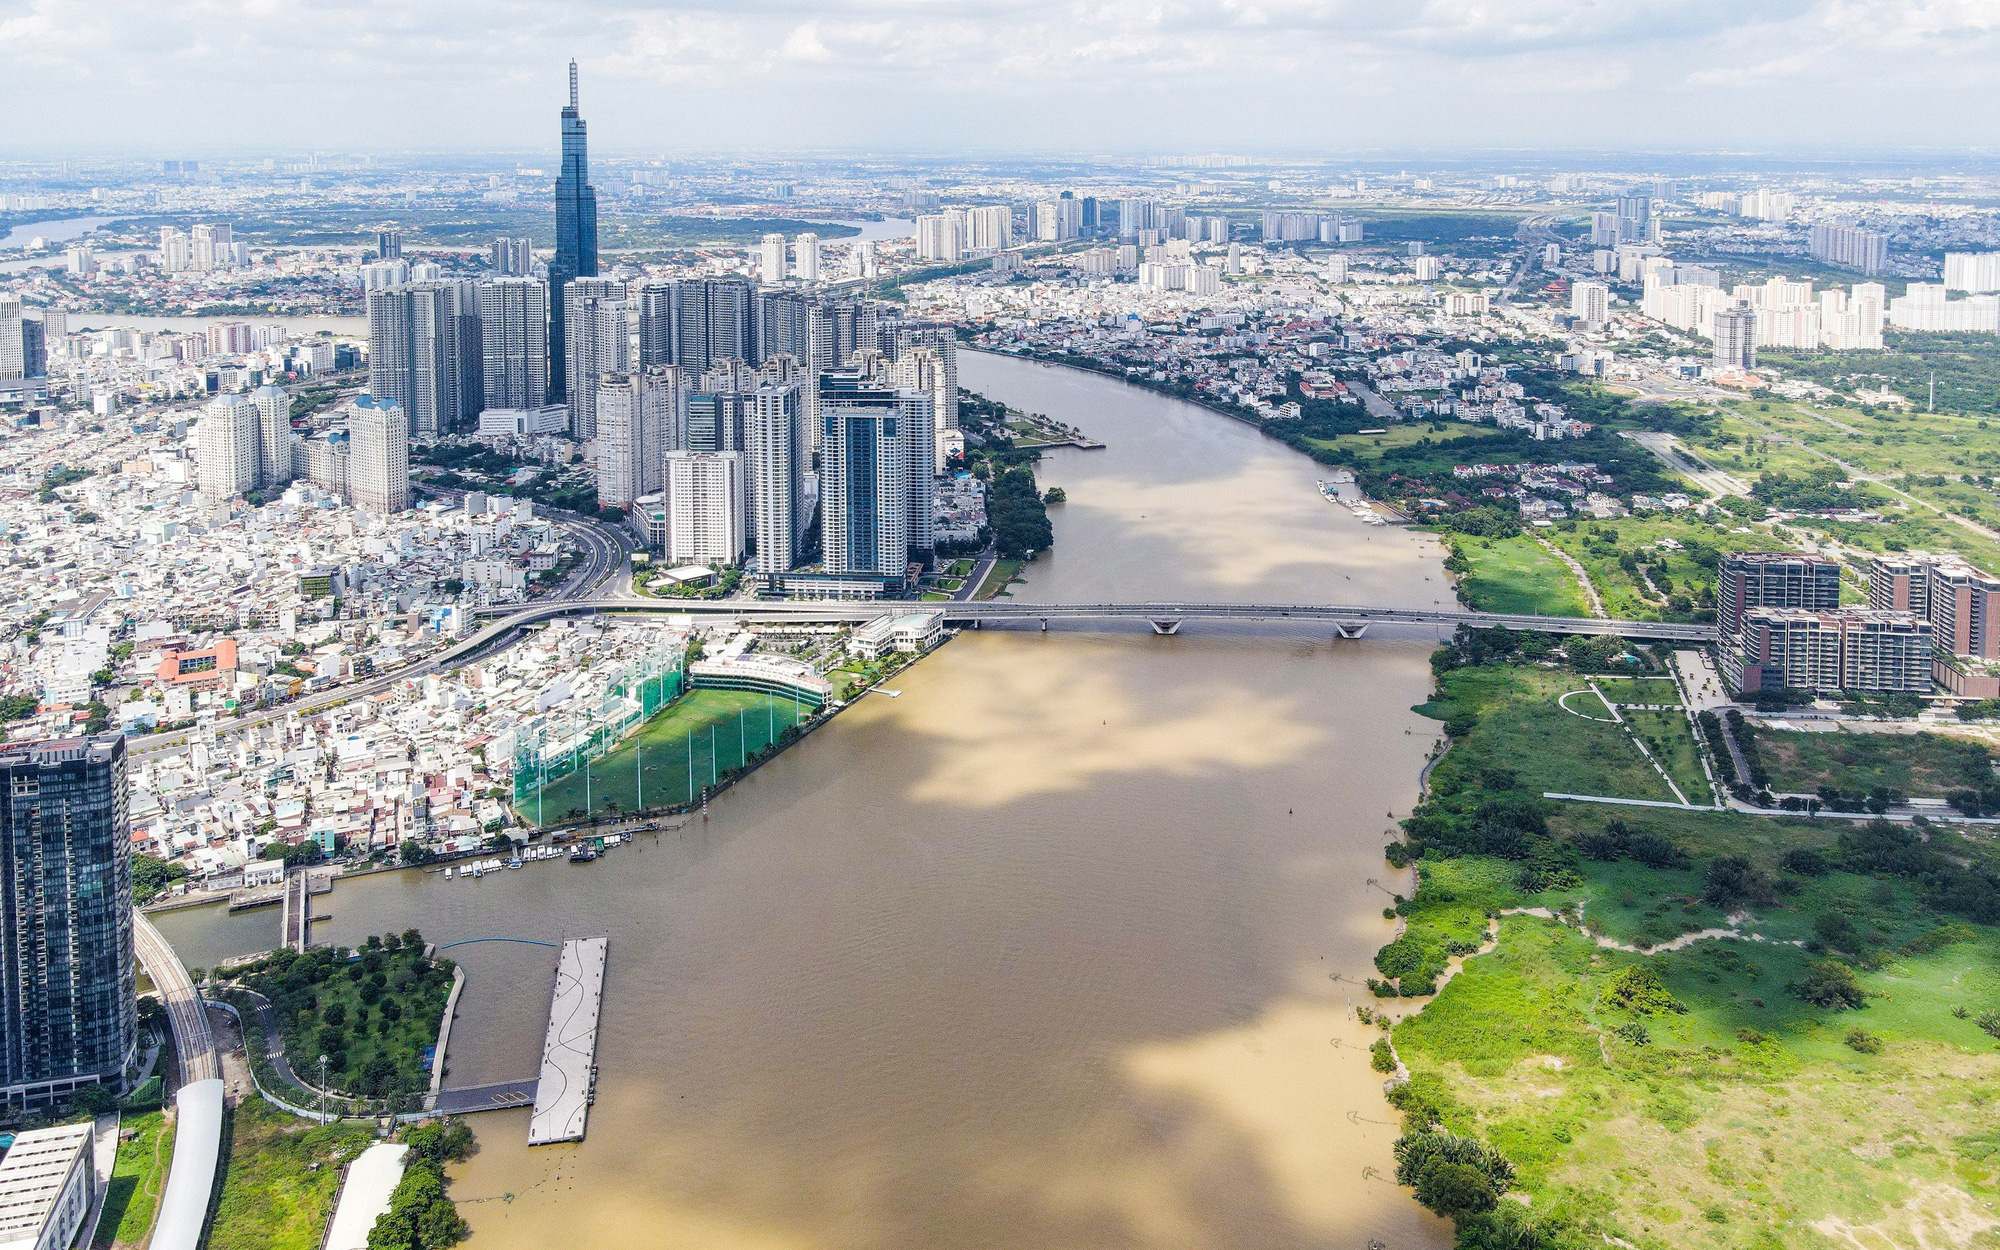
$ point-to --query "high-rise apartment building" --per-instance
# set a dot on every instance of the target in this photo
(1961, 603)
(425, 353)
(775, 457)
(1863, 650)
(598, 344)
(1976, 273)
(1058, 220)
(211, 247)
(1635, 217)
(514, 342)
(68, 1014)
(274, 436)
(806, 252)
(1590, 304)
(638, 423)
(990, 228)
(704, 498)
(700, 321)
(1735, 337)
(715, 419)
(378, 458)
(388, 244)
(175, 254)
(771, 260)
(13, 353)
(1849, 247)
(941, 236)
(226, 452)
(1749, 579)
(576, 241)
(514, 258)
(875, 477)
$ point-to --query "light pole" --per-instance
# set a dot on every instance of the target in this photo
(322, 1090)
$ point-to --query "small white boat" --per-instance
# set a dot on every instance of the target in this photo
(514, 862)
(447, 874)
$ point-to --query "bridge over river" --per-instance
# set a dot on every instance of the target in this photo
(1347, 620)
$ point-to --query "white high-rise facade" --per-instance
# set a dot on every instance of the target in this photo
(274, 436)
(635, 431)
(771, 260)
(807, 253)
(704, 506)
(1976, 273)
(1590, 303)
(1736, 337)
(225, 447)
(514, 342)
(989, 229)
(941, 236)
(776, 472)
(599, 343)
(378, 458)
(13, 343)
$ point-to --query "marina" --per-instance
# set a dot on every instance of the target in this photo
(567, 1085)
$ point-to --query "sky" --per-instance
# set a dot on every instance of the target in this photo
(194, 77)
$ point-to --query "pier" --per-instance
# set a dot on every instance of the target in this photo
(565, 1088)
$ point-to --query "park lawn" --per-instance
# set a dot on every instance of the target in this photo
(1522, 730)
(1405, 434)
(1925, 765)
(372, 1016)
(1516, 575)
(1671, 740)
(1645, 691)
(960, 568)
(689, 745)
(138, 1178)
(282, 1176)
(1002, 575)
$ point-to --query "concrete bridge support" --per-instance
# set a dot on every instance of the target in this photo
(1351, 629)
(1166, 624)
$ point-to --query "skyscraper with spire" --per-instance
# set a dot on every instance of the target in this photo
(576, 235)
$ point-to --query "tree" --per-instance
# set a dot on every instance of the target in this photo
(1455, 1190)
(1830, 984)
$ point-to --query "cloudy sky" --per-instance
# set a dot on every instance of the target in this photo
(212, 76)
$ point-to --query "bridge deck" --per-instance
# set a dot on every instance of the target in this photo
(569, 1052)
(495, 1097)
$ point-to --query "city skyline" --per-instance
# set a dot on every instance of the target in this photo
(1276, 77)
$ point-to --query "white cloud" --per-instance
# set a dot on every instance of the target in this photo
(944, 73)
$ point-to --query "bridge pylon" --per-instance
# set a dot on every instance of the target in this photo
(1165, 624)
(1350, 629)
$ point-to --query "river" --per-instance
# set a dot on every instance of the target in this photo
(966, 970)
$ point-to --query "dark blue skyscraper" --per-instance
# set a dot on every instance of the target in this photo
(576, 235)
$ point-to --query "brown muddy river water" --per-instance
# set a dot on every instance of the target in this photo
(1058, 949)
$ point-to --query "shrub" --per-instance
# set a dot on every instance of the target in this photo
(1830, 984)
(1420, 1152)
(1730, 881)
(1805, 861)
(1639, 990)
(1989, 1022)
(1455, 1190)
(1862, 1041)
(1382, 1056)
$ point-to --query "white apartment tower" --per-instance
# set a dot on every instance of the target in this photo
(635, 431)
(274, 436)
(378, 457)
(704, 506)
(225, 447)
(514, 342)
(1736, 337)
(807, 252)
(776, 464)
(771, 260)
(1590, 303)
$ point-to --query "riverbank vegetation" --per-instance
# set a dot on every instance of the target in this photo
(1687, 1028)
(420, 1215)
(281, 1177)
(372, 1012)
(1017, 516)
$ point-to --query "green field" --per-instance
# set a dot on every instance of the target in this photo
(1653, 691)
(699, 739)
(1830, 1083)
(1925, 765)
(1671, 740)
(281, 1179)
(1522, 732)
(1516, 575)
(1406, 434)
(137, 1180)
(1002, 575)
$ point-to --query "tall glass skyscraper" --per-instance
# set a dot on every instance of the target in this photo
(576, 236)
(68, 1018)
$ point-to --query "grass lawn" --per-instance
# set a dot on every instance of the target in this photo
(1405, 434)
(1517, 575)
(137, 1180)
(1671, 740)
(1925, 765)
(1522, 731)
(960, 568)
(1625, 691)
(690, 744)
(1003, 574)
(283, 1174)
